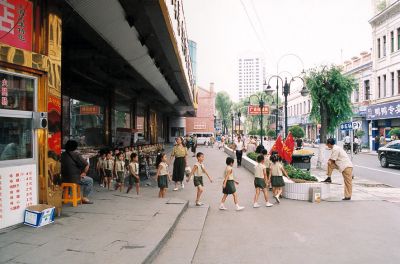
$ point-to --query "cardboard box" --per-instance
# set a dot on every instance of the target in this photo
(39, 215)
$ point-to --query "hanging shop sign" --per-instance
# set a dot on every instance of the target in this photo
(256, 110)
(18, 190)
(384, 111)
(89, 110)
(16, 23)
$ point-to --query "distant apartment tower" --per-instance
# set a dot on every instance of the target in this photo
(251, 72)
(193, 58)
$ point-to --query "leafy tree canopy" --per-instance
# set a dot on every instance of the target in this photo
(297, 131)
(330, 92)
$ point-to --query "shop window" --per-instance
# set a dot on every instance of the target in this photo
(177, 131)
(86, 123)
(17, 93)
(15, 138)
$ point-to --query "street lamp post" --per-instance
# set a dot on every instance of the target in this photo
(239, 115)
(261, 103)
(286, 91)
(232, 117)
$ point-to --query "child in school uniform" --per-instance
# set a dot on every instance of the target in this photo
(162, 175)
(100, 168)
(267, 164)
(228, 186)
(276, 172)
(261, 182)
(134, 173)
(108, 169)
(120, 171)
(199, 171)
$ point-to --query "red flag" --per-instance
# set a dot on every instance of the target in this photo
(288, 148)
(278, 146)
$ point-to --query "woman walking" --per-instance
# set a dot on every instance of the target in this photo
(180, 154)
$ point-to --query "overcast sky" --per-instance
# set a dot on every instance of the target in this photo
(318, 31)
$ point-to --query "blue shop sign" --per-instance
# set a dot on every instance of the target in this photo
(383, 111)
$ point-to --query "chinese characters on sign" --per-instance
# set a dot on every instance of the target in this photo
(18, 190)
(383, 111)
(16, 23)
(4, 92)
(89, 110)
(256, 110)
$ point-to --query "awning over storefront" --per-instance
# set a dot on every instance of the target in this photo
(143, 34)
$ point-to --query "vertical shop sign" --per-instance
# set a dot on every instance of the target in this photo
(4, 92)
(16, 23)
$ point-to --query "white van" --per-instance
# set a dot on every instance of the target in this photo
(203, 137)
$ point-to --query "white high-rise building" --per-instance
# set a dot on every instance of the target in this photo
(251, 72)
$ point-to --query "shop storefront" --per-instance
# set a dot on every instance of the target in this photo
(30, 138)
(382, 117)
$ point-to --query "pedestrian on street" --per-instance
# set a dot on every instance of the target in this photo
(162, 174)
(199, 171)
(267, 164)
(228, 186)
(261, 181)
(179, 153)
(108, 169)
(74, 169)
(239, 148)
(194, 144)
(120, 171)
(134, 173)
(277, 171)
(341, 161)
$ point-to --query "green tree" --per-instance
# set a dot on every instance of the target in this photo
(360, 133)
(252, 132)
(271, 133)
(330, 95)
(395, 132)
(297, 131)
(223, 104)
(263, 133)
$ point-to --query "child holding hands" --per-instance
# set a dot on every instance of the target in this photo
(199, 171)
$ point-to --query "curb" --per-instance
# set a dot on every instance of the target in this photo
(153, 253)
(201, 234)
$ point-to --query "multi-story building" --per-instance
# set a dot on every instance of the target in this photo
(299, 108)
(204, 120)
(251, 74)
(360, 68)
(384, 111)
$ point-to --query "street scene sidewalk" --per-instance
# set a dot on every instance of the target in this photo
(126, 228)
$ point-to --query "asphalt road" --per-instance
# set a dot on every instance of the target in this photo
(367, 166)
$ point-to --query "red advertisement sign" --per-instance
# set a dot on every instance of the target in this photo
(256, 110)
(16, 23)
(89, 110)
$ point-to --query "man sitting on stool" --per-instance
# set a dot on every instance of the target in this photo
(341, 161)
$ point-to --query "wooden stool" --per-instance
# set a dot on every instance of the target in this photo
(76, 193)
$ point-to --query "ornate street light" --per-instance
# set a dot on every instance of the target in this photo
(261, 102)
(286, 91)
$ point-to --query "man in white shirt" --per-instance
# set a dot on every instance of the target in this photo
(346, 139)
(239, 146)
(341, 161)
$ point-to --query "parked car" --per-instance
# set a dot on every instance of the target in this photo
(389, 154)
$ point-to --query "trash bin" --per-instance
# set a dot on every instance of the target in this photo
(315, 194)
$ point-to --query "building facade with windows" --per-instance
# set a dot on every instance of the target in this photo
(360, 68)
(384, 109)
(251, 74)
(204, 120)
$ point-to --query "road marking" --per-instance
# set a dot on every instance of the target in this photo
(377, 170)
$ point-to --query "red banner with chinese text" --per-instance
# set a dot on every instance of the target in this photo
(16, 23)
(256, 110)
